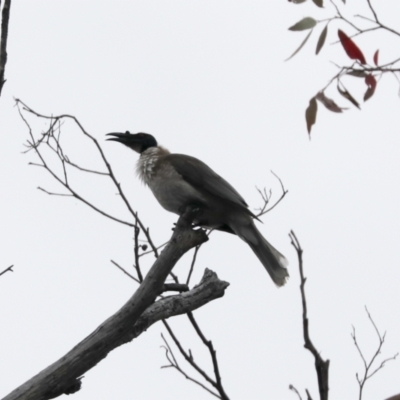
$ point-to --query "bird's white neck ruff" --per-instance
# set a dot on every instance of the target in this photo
(145, 167)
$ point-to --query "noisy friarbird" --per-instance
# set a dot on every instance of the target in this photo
(177, 180)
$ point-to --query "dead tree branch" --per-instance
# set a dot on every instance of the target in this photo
(321, 366)
(368, 365)
(213, 354)
(173, 363)
(188, 356)
(64, 376)
(5, 18)
(52, 141)
(266, 197)
(7, 269)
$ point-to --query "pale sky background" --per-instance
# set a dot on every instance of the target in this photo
(206, 78)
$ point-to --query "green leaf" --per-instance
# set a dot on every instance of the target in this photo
(319, 3)
(300, 47)
(321, 40)
(311, 114)
(297, 1)
(305, 23)
(347, 95)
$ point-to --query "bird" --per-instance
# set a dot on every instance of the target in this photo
(179, 180)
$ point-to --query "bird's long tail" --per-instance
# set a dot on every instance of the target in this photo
(273, 261)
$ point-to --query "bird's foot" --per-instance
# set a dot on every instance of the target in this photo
(189, 214)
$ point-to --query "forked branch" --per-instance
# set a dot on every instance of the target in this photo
(321, 366)
(369, 371)
(64, 376)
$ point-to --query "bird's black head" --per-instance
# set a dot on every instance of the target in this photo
(138, 141)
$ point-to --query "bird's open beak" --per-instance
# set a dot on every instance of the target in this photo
(124, 138)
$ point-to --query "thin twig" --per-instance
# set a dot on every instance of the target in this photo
(125, 272)
(189, 358)
(105, 161)
(69, 162)
(213, 355)
(136, 252)
(7, 269)
(293, 389)
(267, 197)
(35, 146)
(340, 16)
(308, 395)
(152, 251)
(321, 366)
(196, 250)
(54, 194)
(368, 365)
(174, 364)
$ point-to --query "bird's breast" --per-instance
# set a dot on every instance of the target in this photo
(172, 191)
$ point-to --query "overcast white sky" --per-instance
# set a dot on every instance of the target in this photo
(206, 78)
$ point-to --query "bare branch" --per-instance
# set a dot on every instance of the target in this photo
(5, 18)
(125, 271)
(91, 171)
(175, 287)
(368, 365)
(266, 197)
(64, 375)
(321, 366)
(50, 134)
(152, 251)
(189, 358)
(196, 250)
(293, 389)
(213, 355)
(174, 364)
(136, 252)
(373, 11)
(55, 194)
(10, 268)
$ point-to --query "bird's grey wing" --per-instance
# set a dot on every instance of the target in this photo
(203, 177)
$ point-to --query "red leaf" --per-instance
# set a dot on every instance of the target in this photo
(351, 48)
(376, 57)
(371, 83)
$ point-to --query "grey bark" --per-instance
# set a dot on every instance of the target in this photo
(64, 376)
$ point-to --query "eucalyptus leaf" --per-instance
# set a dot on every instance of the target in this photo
(347, 95)
(304, 24)
(319, 3)
(300, 47)
(321, 40)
